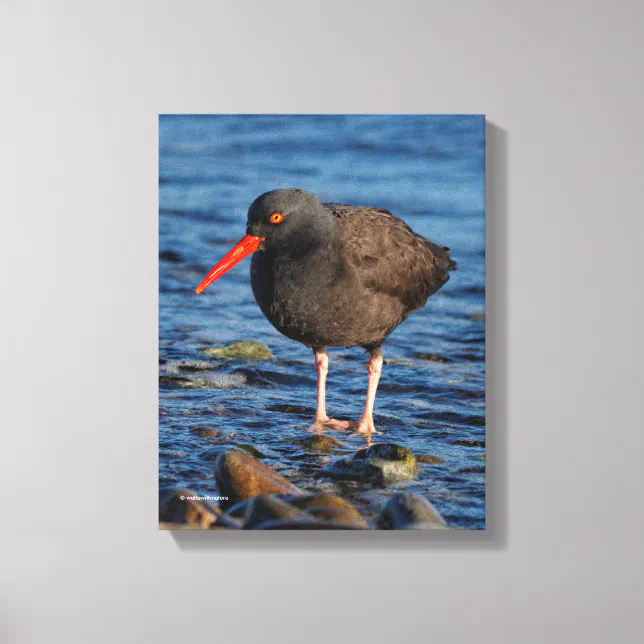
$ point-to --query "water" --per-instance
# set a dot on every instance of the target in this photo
(427, 170)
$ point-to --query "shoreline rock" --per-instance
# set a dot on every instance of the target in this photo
(180, 507)
(409, 511)
(240, 476)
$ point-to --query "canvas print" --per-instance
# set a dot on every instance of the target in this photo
(322, 322)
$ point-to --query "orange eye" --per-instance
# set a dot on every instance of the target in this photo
(277, 218)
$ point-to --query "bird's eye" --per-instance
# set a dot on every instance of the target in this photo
(277, 218)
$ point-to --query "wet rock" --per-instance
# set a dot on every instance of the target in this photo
(329, 507)
(319, 443)
(381, 463)
(170, 256)
(250, 449)
(205, 432)
(302, 525)
(183, 506)
(265, 507)
(428, 458)
(478, 317)
(216, 381)
(408, 511)
(469, 442)
(432, 357)
(239, 476)
(245, 349)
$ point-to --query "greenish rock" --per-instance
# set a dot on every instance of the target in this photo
(478, 317)
(244, 349)
(319, 443)
(250, 449)
(429, 459)
(408, 511)
(381, 463)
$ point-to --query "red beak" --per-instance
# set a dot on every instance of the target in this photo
(235, 255)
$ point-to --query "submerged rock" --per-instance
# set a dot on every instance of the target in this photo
(329, 507)
(381, 463)
(245, 349)
(428, 458)
(216, 381)
(239, 476)
(250, 449)
(409, 511)
(432, 357)
(319, 443)
(469, 442)
(182, 506)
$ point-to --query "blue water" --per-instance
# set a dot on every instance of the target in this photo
(428, 170)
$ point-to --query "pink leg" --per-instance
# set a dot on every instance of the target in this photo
(321, 419)
(374, 366)
(322, 368)
(365, 425)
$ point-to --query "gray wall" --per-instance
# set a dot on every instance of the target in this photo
(81, 558)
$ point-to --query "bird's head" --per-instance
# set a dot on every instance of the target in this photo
(283, 221)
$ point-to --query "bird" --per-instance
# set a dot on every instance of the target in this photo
(335, 275)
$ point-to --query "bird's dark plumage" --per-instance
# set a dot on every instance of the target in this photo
(352, 281)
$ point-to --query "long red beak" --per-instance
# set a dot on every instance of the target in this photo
(235, 255)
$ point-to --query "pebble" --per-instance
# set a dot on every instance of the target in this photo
(240, 476)
(408, 511)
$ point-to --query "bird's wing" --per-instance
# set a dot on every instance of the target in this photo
(400, 262)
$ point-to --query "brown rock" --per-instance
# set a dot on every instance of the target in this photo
(239, 476)
(429, 459)
(182, 506)
(329, 507)
(270, 507)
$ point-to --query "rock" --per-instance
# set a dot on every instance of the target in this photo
(319, 443)
(469, 442)
(407, 511)
(329, 507)
(170, 256)
(301, 525)
(381, 463)
(184, 507)
(205, 432)
(239, 476)
(250, 449)
(215, 381)
(428, 458)
(270, 507)
(432, 357)
(478, 317)
(246, 349)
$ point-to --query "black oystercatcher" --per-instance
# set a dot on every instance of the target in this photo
(332, 275)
